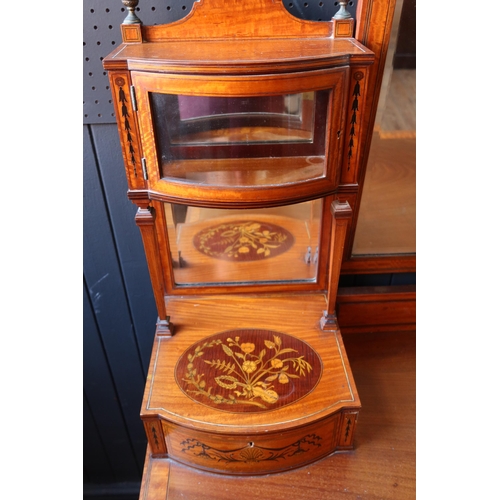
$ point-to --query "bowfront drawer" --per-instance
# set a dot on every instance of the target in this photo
(252, 453)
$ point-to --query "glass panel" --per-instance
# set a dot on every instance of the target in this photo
(387, 215)
(235, 120)
(241, 141)
(251, 246)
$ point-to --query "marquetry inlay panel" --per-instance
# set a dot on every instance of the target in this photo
(243, 240)
(248, 370)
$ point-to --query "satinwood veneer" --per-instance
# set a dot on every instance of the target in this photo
(238, 124)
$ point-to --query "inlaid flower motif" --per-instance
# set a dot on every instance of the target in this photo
(249, 366)
(248, 375)
(243, 240)
(247, 347)
(276, 363)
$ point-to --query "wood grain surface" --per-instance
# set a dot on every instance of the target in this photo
(219, 56)
(382, 465)
(198, 318)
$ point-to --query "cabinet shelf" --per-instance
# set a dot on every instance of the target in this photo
(243, 173)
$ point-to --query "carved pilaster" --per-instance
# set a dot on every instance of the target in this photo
(342, 214)
(145, 219)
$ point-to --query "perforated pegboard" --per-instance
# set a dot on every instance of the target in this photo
(101, 34)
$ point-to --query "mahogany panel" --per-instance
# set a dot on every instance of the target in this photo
(375, 309)
(379, 264)
(355, 126)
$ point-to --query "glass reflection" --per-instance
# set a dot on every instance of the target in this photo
(241, 141)
(387, 216)
(235, 120)
(251, 246)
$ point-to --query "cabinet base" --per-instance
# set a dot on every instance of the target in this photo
(246, 387)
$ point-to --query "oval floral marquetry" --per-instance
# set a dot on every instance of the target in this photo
(248, 370)
(243, 240)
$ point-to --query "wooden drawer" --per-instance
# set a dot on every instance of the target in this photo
(253, 453)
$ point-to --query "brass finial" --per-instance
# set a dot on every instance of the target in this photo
(342, 13)
(131, 17)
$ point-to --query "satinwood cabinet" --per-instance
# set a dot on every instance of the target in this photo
(238, 123)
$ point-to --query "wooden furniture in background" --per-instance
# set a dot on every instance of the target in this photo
(242, 131)
(388, 245)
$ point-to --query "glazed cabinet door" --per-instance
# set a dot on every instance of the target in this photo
(241, 140)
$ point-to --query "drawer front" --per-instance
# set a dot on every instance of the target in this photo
(252, 453)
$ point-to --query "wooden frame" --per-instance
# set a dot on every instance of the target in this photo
(377, 309)
(170, 287)
(335, 61)
(373, 29)
(332, 80)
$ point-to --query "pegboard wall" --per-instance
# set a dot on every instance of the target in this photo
(101, 34)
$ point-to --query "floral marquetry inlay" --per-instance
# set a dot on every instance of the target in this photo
(251, 453)
(243, 240)
(248, 370)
